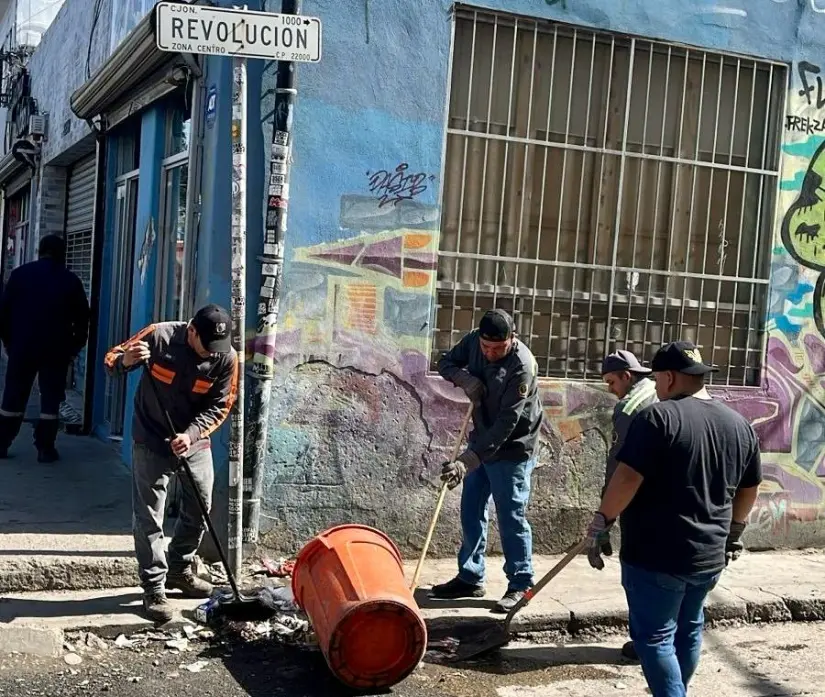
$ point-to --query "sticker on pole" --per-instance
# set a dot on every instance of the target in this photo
(184, 28)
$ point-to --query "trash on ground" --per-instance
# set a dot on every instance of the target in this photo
(72, 659)
(123, 643)
(282, 568)
(195, 667)
(178, 644)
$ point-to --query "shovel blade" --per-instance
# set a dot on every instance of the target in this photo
(492, 639)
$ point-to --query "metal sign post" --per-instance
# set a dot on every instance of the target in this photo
(236, 424)
(272, 264)
(288, 38)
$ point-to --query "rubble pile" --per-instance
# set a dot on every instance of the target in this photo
(287, 624)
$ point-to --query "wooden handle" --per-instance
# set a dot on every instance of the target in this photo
(442, 494)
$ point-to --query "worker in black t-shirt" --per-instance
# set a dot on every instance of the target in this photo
(687, 478)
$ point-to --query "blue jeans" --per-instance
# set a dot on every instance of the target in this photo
(508, 482)
(666, 617)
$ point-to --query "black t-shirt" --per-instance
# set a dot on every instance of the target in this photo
(693, 454)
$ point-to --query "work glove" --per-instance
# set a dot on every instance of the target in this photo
(734, 546)
(605, 545)
(472, 386)
(453, 473)
(599, 526)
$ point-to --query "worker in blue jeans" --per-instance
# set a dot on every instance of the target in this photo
(687, 478)
(499, 375)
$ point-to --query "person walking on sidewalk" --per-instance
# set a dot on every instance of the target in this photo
(44, 324)
(687, 478)
(499, 375)
(195, 369)
(628, 380)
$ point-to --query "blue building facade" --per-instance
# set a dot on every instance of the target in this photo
(616, 174)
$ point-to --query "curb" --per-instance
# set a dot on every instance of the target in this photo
(21, 574)
(725, 608)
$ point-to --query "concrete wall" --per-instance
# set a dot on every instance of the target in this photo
(59, 66)
(358, 426)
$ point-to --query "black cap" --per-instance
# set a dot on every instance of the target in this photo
(496, 325)
(623, 360)
(214, 327)
(681, 357)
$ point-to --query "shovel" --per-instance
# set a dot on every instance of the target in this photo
(496, 637)
(441, 496)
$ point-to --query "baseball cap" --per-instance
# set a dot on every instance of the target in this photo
(214, 327)
(623, 360)
(496, 325)
(681, 357)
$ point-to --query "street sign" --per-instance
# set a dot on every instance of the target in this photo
(184, 28)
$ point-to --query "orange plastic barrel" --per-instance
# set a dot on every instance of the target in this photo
(350, 582)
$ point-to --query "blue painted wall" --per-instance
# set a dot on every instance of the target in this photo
(378, 98)
(357, 429)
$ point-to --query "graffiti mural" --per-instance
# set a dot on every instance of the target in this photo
(789, 413)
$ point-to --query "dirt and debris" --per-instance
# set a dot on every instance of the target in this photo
(282, 568)
(195, 667)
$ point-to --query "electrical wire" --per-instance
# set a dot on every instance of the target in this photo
(95, 17)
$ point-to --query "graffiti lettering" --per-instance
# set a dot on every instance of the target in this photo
(806, 69)
(398, 185)
(803, 124)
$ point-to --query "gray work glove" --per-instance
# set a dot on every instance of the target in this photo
(734, 546)
(472, 386)
(599, 526)
(453, 473)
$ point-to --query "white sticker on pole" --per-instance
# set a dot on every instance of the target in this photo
(185, 28)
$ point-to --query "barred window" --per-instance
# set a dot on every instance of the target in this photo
(610, 191)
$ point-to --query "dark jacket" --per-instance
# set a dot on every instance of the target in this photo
(44, 312)
(507, 423)
(197, 392)
(641, 395)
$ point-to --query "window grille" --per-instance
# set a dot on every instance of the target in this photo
(610, 191)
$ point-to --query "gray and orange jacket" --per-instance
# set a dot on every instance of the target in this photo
(197, 392)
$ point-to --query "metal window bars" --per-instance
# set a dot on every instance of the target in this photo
(612, 192)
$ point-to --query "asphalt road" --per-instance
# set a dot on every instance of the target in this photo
(770, 661)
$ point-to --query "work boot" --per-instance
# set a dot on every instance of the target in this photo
(190, 585)
(455, 589)
(508, 602)
(156, 607)
(47, 455)
(629, 651)
(45, 434)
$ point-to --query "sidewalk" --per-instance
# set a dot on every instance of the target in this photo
(65, 525)
(579, 603)
(758, 587)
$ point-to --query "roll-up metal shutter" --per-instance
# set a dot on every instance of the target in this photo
(80, 214)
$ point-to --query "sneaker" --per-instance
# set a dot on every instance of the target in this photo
(190, 585)
(508, 602)
(629, 651)
(157, 607)
(455, 589)
(47, 455)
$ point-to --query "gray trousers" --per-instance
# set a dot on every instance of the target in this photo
(150, 480)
